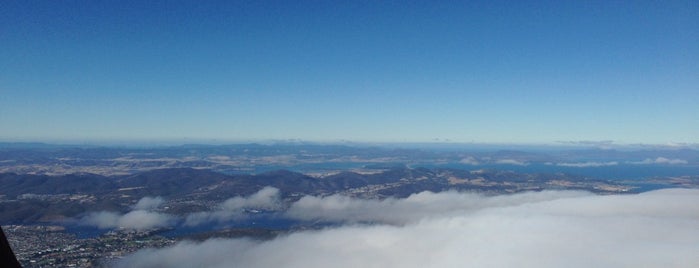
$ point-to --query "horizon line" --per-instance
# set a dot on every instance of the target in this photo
(602, 144)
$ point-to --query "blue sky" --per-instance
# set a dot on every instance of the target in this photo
(377, 71)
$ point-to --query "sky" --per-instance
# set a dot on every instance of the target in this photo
(366, 71)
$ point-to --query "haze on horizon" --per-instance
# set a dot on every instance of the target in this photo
(364, 71)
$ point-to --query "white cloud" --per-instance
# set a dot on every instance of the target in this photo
(149, 203)
(511, 162)
(140, 218)
(470, 161)
(267, 198)
(589, 164)
(137, 219)
(546, 229)
(102, 219)
(608, 144)
(660, 160)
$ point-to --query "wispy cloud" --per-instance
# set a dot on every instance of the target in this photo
(589, 164)
(137, 219)
(148, 203)
(660, 160)
(546, 229)
(511, 162)
(470, 161)
(605, 144)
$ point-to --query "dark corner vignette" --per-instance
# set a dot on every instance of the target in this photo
(7, 258)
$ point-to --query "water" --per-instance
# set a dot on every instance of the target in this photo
(628, 173)
(83, 232)
(616, 172)
(258, 221)
(261, 221)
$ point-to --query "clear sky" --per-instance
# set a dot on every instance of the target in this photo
(384, 71)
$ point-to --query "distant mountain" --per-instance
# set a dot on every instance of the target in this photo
(29, 198)
(37, 158)
(14, 185)
(169, 182)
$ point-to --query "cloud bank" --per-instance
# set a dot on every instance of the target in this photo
(546, 229)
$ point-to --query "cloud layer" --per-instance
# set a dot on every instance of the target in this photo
(546, 229)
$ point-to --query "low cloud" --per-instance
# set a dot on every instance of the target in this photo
(470, 161)
(141, 218)
(511, 162)
(588, 164)
(137, 219)
(267, 198)
(545, 229)
(149, 203)
(661, 161)
(606, 144)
